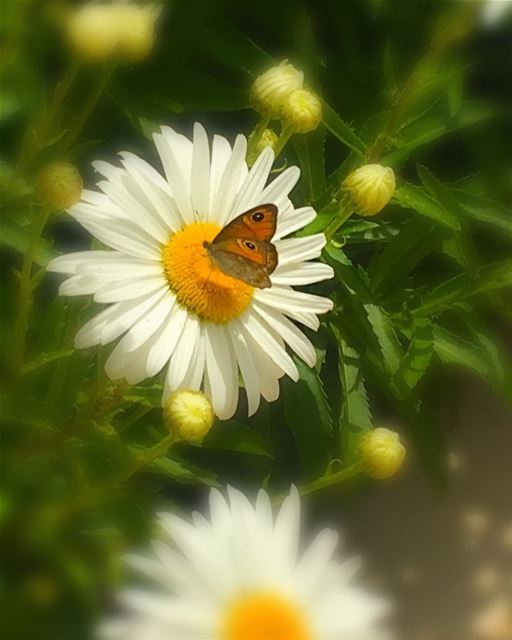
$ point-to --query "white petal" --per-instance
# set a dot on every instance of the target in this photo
(200, 179)
(149, 324)
(169, 145)
(247, 366)
(221, 153)
(167, 340)
(302, 273)
(228, 185)
(79, 285)
(121, 268)
(124, 237)
(180, 359)
(296, 219)
(300, 249)
(249, 194)
(130, 288)
(221, 371)
(156, 188)
(282, 185)
(270, 345)
(286, 299)
(69, 262)
(127, 314)
(289, 332)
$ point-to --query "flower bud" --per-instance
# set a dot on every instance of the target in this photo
(271, 88)
(188, 415)
(301, 111)
(92, 32)
(136, 31)
(370, 188)
(59, 185)
(267, 139)
(381, 453)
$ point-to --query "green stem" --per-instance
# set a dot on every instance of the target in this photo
(336, 222)
(26, 289)
(78, 126)
(325, 481)
(285, 136)
(34, 138)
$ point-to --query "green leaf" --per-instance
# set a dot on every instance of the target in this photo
(16, 237)
(386, 337)
(45, 358)
(235, 436)
(441, 194)
(485, 210)
(342, 131)
(178, 469)
(416, 361)
(417, 238)
(451, 349)
(411, 196)
(492, 277)
(355, 415)
(309, 417)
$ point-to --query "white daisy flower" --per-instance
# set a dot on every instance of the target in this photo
(242, 575)
(169, 302)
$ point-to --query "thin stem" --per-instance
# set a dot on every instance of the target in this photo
(75, 132)
(26, 289)
(325, 481)
(337, 221)
(37, 133)
(285, 136)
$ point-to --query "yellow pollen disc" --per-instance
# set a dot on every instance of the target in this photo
(199, 286)
(265, 617)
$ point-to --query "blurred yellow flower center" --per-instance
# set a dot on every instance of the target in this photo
(199, 286)
(264, 617)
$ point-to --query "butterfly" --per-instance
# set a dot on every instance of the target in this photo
(242, 249)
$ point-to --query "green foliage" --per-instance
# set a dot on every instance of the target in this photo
(420, 290)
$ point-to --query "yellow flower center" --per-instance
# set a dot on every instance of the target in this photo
(264, 617)
(200, 286)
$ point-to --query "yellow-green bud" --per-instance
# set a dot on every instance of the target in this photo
(136, 35)
(301, 111)
(59, 185)
(188, 415)
(381, 453)
(92, 32)
(271, 88)
(370, 188)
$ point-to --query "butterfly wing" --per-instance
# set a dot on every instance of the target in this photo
(242, 249)
(241, 268)
(259, 223)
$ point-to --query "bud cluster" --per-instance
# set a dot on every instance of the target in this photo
(101, 31)
(188, 415)
(381, 453)
(370, 188)
(279, 93)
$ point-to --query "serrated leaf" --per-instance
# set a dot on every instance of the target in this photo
(489, 278)
(355, 415)
(416, 239)
(452, 349)
(45, 358)
(342, 131)
(441, 194)
(416, 361)
(413, 197)
(386, 337)
(309, 417)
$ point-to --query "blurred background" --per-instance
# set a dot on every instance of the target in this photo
(437, 538)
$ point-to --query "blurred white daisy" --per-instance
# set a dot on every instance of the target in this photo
(494, 10)
(242, 575)
(167, 299)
